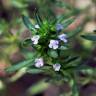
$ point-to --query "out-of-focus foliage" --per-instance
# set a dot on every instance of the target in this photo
(69, 66)
(12, 39)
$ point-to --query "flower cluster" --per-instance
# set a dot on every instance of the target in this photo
(52, 44)
(53, 53)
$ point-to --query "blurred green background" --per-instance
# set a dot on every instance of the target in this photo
(13, 32)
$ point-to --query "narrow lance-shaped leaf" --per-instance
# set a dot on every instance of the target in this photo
(67, 22)
(84, 66)
(73, 64)
(74, 87)
(64, 16)
(91, 37)
(20, 65)
(74, 33)
(64, 5)
(71, 58)
(34, 71)
(27, 42)
(35, 89)
(38, 18)
(60, 18)
(27, 23)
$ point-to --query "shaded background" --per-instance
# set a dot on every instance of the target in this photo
(13, 31)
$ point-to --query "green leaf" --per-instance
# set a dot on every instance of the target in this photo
(63, 48)
(27, 23)
(64, 5)
(91, 37)
(34, 71)
(53, 54)
(27, 42)
(72, 62)
(89, 71)
(19, 4)
(38, 18)
(74, 33)
(67, 22)
(64, 16)
(38, 88)
(61, 18)
(74, 87)
(71, 58)
(84, 67)
(20, 65)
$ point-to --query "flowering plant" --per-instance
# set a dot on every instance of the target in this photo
(53, 54)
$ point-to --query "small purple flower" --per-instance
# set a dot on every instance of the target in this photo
(37, 26)
(63, 37)
(35, 39)
(59, 27)
(56, 67)
(39, 62)
(54, 44)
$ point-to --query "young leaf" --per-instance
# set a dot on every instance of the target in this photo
(20, 65)
(27, 23)
(90, 37)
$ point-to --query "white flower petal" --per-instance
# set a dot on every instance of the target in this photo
(65, 40)
(55, 47)
(35, 39)
(63, 37)
(37, 26)
(56, 67)
(35, 42)
(50, 46)
(39, 62)
(54, 44)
